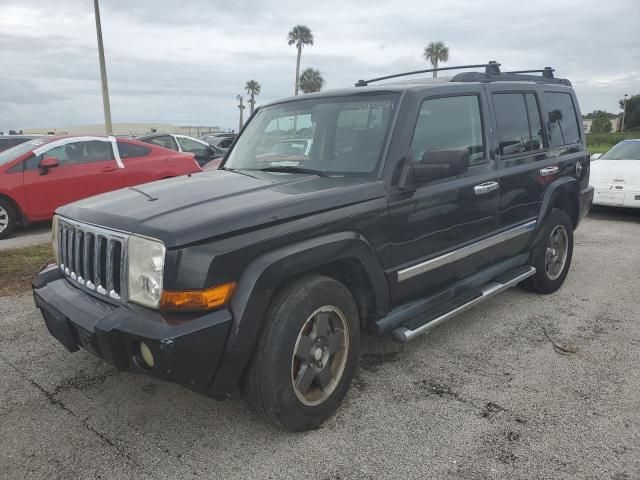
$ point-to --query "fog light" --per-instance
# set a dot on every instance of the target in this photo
(147, 356)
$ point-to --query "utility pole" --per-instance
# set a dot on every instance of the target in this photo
(241, 107)
(103, 72)
(624, 111)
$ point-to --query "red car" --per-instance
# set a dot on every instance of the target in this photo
(40, 175)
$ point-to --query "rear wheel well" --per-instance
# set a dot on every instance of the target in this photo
(564, 201)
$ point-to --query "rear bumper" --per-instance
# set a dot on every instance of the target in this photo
(586, 199)
(186, 348)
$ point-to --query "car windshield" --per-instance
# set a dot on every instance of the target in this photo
(347, 136)
(14, 152)
(629, 150)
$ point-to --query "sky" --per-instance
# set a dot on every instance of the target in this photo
(185, 62)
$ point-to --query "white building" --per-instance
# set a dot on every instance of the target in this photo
(123, 129)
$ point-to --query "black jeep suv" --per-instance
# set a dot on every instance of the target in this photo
(415, 201)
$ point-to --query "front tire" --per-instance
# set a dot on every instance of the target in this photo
(552, 254)
(306, 356)
(8, 219)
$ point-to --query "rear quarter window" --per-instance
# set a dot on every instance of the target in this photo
(562, 119)
(129, 150)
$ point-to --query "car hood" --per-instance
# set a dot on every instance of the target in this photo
(615, 171)
(192, 208)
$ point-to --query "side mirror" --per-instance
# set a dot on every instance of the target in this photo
(438, 164)
(595, 156)
(48, 163)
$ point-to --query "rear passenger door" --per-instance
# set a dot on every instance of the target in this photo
(434, 222)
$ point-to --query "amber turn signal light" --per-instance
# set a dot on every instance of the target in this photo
(194, 300)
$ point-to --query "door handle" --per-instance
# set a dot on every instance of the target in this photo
(108, 169)
(485, 188)
(546, 171)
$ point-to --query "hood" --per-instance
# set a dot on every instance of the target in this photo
(192, 208)
(625, 172)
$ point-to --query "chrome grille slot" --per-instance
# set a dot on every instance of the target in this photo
(93, 258)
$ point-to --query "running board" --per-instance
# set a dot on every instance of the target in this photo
(430, 320)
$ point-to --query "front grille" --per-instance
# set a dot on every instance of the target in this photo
(93, 257)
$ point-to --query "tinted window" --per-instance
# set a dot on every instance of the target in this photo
(129, 150)
(165, 141)
(75, 153)
(449, 123)
(562, 118)
(513, 117)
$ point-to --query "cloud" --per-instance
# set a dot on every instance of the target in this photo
(186, 62)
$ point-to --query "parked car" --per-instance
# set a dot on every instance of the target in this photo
(296, 147)
(419, 200)
(40, 175)
(203, 152)
(8, 141)
(220, 140)
(616, 175)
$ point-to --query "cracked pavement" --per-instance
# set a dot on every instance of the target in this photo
(485, 396)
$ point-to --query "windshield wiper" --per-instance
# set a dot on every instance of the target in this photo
(292, 169)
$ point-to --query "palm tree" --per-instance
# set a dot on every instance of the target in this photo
(253, 88)
(435, 53)
(311, 81)
(299, 36)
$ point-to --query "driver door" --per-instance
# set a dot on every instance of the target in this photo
(85, 169)
(433, 221)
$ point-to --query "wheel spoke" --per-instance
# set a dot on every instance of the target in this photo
(324, 378)
(335, 341)
(305, 378)
(304, 347)
(322, 324)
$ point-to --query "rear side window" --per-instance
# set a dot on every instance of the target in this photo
(518, 119)
(129, 150)
(449, 123)
(562, 118)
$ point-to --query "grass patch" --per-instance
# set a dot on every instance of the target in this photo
(19, 265)
(601, 142)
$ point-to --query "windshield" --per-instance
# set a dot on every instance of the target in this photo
(328, 135)
(19, 150)
(629, 150)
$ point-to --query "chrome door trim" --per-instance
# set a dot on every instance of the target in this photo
(432, 264)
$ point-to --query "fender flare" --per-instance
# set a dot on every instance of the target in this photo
(265, 274)
(564, 184)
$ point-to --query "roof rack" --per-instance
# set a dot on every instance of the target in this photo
(492, 67)
(491, 73)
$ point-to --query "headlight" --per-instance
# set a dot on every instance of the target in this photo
(145, 270)
(54, 239)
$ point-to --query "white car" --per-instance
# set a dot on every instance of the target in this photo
(615, 175)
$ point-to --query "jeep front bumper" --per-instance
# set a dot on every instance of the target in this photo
(186, 348)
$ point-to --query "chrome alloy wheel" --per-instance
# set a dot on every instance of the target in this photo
(320, 355)
(557, 249)
(4, 219)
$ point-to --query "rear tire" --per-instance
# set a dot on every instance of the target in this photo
(552, 254)
(306, 356)
(8, 219)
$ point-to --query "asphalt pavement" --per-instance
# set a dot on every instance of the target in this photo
(23, 237)
(521, 387)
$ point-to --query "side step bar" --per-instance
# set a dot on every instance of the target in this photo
(430, 320)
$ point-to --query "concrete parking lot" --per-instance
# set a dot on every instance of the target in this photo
(524, 387)
(32, 235)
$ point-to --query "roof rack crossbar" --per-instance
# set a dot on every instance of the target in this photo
(547, 72)
(491, 67)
